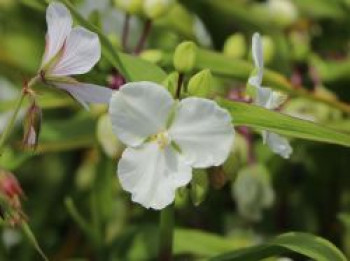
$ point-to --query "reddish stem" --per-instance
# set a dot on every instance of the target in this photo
(144, 36)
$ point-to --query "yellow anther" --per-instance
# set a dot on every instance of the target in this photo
(162, 138)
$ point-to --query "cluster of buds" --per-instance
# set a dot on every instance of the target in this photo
(153, 9)
(10, 199)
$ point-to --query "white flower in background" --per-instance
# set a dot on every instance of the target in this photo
(112, 20)
(165, 139)
(8, 93)
(201, 32)
(71, 51)
(268, 99)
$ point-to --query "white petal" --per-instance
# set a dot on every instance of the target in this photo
(59, 25)
(277, 144)
(263, 97)
(87, 93)
(276, 100)
(268, 99)
(82, 51)
(139, 110)
(203, 131)
(257, 51)
(256, 79)
(152, 175)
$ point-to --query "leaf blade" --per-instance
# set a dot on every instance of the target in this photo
(263, 119)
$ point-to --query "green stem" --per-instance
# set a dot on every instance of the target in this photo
(166, 234)
(6, 133)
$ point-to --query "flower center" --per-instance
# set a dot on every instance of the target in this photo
(162, 138)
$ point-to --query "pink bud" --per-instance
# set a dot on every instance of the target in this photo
(9, 185)
(116, 80)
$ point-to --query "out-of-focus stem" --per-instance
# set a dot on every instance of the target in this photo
(125, 35)
(144, 36)
(6, 133)
(249, 138)
(167, 221)
(179, 86)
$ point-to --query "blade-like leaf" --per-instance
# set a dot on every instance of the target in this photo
(308, 245)
(32, 239)
(262, 119)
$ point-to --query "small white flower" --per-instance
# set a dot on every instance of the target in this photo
(268, 99)
(8, 93)
(71, 51)
(165, 139)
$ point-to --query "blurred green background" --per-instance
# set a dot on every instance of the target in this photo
(75, 206)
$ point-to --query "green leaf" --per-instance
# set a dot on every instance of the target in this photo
(31, 238)
(131, 67)
(321, 8)
(202, 243)
(263, 119)
(239, 69)
(308, 245)
(61, 135)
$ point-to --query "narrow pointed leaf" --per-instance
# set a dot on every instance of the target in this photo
(262, 119)
(31, 238)
(307, 245)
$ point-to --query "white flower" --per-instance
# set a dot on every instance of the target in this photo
(268, 99)
(8, 93)
(165, 139)
(71, 51)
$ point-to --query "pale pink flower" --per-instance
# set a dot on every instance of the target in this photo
(71, 51)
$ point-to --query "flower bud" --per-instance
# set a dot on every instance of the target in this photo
(171, 82)
(268, 49)
(235, 46)
(201, 84)
(283, 12)
(217, 177)
(130, 6)
(300, 45)
(153, 56)
(156, 8)
(9, 185)
(185, 57)
(109, 142)
(32, 126)
(199, 186)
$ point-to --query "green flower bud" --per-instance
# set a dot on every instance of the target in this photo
(153, 56)
(300, 43)
(156, 8)
(201, 84)
(185, 57)
(268, 49)
(235, 46)
(109, 142)
(199, 186)
(283, 12)
(130, 6)
(171, 82)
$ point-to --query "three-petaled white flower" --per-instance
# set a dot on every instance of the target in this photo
(165, 140)
(71, 51)
(268, 99)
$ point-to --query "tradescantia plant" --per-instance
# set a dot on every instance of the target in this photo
(174, 125)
